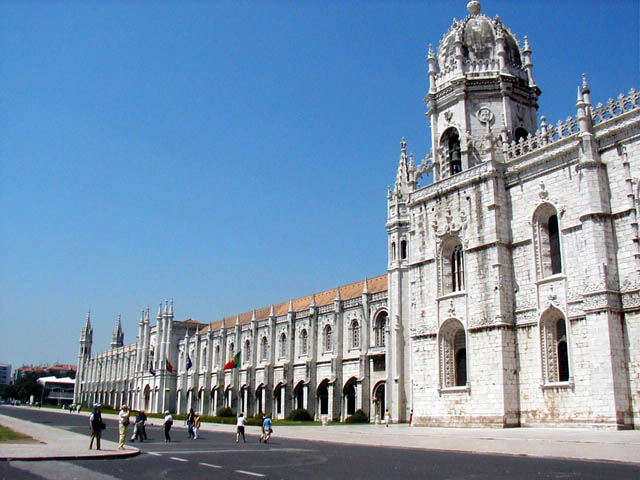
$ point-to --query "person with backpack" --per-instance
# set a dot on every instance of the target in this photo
(96, 425)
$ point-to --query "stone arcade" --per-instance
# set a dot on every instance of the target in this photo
(513, 290)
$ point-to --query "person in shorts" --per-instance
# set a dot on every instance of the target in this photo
(240, 430)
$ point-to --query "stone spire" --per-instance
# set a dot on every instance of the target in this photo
(405, 181)
(117, 338)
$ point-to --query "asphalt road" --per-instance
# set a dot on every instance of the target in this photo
(216, 455)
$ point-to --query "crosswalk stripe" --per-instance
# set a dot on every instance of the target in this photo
(210, 465)
(179, 459)
(250, 473)
(155, 454)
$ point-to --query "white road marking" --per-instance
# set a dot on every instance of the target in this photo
(155, 454)
(56, 470)
(209, 465)
(179, 459)
(250, 473)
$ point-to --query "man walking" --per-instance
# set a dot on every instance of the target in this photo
(168, 421)
(95, 423)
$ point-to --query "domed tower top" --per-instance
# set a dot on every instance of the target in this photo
(480, 85)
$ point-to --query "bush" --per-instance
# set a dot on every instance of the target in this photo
(300, 415)
(225, 412)
(358, 417)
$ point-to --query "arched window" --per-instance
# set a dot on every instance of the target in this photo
(452, 259)
(393, 251)
(217, 355)
(403, 250)
(203, 358)
(450, 140)
(328, 340)
(283, 345)
(355, 334)
(247, 352)
(264, 350)
(379, 329)
(554, 347)
(547, 241)
(303, 342)
(453, 354)
(520, 133)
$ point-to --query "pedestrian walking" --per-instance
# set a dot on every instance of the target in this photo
(266, 429)
(189, 421)
(96, 425)
(168, 422)
(387, 417)
(240, 430)
(123, 423)
(196, 426)
(138, 427)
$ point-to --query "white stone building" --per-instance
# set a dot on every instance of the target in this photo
(513, 290)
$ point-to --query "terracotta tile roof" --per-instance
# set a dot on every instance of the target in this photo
(347, 292)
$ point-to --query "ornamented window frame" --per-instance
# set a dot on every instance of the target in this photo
(450, 245)
(354, 330)
(264, 349)
(327, 338)
(304, 342)
(448, 351)
(283, 345)
(380, 329)
(551, 358)
(542, 249)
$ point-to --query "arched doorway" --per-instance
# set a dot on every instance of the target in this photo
(298, 395)
(259, 402)
(147, 397)
(349, 394)
(323, 397)
(379, 400)
(277, 399)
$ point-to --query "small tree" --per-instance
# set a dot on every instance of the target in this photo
(358, 417)
(300, 415)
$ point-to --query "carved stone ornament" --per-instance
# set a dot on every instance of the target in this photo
(448, 115)
(484, 115)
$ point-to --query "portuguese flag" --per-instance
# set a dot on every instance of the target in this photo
(234, 362)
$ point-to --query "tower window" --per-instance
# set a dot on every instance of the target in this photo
(403, 250)
(547, 241)
(554, 348)
(452, 258)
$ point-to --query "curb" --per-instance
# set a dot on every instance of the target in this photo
(109, 456)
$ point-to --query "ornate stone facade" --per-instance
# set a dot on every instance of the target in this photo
(514, 273)
(513, 288)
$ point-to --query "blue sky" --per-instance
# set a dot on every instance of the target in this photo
(228, 155)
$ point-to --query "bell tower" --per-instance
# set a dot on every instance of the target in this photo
(481, 93)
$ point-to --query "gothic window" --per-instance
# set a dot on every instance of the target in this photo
(217, 355)
(283, 345)
(303, 342)
(450, 142)
(328, 341)
(453, 354)
(247, 352)
(264, 349)
(203, 358)
(379, 329)
(232, 349)
(403, 250)
(393, 251)
(547, 241)
(554, 348)
(355, 334)
(452, 259)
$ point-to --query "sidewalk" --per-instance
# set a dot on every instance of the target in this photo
(568, 443)
(55, 444)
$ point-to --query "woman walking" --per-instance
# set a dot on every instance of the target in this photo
(123, 423)
(191, 416)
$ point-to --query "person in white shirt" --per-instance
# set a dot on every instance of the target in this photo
(240, 424)
(168, 422)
